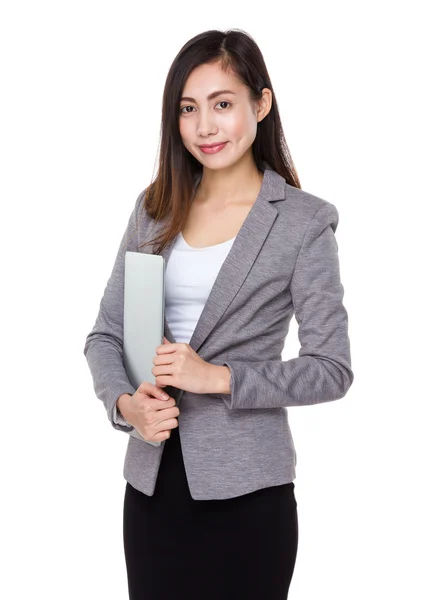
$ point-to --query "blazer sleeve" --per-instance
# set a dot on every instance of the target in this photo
(104, 344)
(322, 371)
(117, 417)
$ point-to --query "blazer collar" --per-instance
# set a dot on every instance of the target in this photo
(240, 258)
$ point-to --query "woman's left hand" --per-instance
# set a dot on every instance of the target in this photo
(180, 366)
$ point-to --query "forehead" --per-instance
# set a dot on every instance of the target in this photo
(209, 77)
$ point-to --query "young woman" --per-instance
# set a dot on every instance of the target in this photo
(211, 512)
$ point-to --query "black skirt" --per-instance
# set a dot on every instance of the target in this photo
(178, 548)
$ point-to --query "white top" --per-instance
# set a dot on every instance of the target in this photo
(189, 276)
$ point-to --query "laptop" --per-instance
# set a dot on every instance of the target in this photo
(143, 318)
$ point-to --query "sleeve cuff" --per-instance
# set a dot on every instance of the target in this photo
(118, 418)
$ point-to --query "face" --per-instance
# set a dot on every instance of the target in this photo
(228, 117)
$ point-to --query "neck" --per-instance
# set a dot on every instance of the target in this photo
(231, 185)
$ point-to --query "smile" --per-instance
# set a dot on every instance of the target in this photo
(212, 149)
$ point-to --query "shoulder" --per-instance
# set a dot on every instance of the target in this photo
(302, 209)
(305, 203)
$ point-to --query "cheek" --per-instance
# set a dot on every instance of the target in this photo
(243, 127)
(182, 129)
(241, 122)
(185, 134)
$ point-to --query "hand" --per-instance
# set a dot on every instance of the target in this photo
(180, 366)
(149, 413)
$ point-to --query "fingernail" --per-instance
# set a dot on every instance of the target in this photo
(165, 396)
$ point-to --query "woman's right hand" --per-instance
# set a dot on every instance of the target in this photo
(152, 416)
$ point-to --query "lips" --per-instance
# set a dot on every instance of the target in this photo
(213, 148)
(211, 145)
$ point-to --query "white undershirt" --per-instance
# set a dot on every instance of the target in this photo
(189, 276)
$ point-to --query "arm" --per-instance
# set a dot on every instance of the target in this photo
(103, 348)
(322, 372)
(118, 418)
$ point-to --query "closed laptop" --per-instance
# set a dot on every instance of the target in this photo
(143, 318)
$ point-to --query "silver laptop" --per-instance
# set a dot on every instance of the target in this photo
(143, 318)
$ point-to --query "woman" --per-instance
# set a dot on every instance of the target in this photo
(211, 512)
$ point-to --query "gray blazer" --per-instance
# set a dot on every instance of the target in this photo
(284, 261)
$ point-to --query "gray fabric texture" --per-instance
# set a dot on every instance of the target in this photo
(283, 262)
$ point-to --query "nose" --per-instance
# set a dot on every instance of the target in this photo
(206, 123)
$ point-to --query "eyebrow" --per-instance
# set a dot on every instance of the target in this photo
(210, 96)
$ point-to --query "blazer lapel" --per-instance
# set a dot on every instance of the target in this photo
(239, 260)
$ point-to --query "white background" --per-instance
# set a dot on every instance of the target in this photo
(82, 84)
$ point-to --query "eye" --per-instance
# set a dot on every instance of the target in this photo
(188, 111)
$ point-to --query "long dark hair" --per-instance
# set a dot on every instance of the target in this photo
(170, 195)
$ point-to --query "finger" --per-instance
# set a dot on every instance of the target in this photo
(148, 387)
(160, 394)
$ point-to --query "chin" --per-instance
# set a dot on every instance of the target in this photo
(215, 161)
